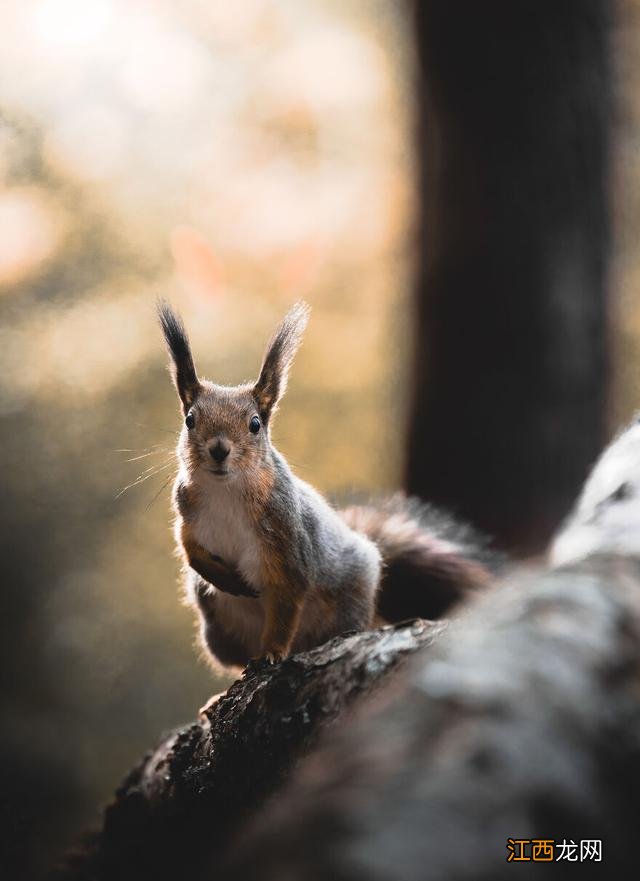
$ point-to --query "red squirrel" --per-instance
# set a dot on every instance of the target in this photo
(271, 566)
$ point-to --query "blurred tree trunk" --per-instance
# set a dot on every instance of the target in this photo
(512, 363)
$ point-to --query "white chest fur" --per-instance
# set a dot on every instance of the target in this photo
(222, 526)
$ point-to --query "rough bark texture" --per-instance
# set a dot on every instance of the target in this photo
(521, 721)
(177, 813)
(512, 366)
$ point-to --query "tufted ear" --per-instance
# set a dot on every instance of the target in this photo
(278, 358)
(182, 369)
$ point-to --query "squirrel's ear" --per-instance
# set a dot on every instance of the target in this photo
(278, 358)
(182, 369)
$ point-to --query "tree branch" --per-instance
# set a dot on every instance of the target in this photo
(193, 795)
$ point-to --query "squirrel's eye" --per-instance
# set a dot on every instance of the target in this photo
(190, 420)
(254, 425)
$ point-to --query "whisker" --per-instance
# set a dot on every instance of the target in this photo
(146, 455)
(137, 449)
(155, 466)
(149, 472)
(154, 499)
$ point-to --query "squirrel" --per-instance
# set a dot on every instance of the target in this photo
(271, 566)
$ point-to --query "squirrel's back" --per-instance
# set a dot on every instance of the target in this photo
(340, 566)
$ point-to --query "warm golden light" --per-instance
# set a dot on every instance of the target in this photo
(30, 232)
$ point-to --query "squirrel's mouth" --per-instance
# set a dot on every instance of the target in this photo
(219, 472)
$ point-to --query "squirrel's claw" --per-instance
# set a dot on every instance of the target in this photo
(267, 659)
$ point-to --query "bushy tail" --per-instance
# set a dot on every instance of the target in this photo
(431, 561)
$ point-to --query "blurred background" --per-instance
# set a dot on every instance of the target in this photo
(231, 158)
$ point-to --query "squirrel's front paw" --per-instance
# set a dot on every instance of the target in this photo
(274, 655)
(229, 580)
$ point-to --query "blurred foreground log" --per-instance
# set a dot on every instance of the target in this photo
(522, 721)
(177, 814)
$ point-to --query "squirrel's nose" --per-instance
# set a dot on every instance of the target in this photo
(220, 450)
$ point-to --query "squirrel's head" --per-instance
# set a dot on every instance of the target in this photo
(226, 429)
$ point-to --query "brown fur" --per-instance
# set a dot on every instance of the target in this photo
(425, 573)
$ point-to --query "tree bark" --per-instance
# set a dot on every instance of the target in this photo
(510, 388)
(177, 813)
(522, 721)
(519, 719)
